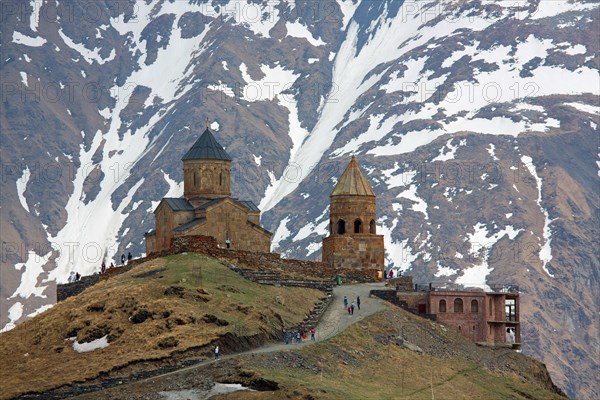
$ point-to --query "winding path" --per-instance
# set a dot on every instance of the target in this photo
(334, 320)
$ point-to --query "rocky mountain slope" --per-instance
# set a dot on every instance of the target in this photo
(476, 123)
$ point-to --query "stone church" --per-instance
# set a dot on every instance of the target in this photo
(353, 241)
(207, 207)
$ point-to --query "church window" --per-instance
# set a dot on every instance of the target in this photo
(372, 226)
(358, 226)
(442, 307)
(458, 305)
(195, 180)
(341, 227)
(474, 306)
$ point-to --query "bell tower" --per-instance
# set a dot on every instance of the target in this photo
(353, 241)
(206, 169)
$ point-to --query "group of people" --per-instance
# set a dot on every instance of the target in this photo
(390, 274)
(103, 265)
(350, 307)
(298, 336)
(74, 277)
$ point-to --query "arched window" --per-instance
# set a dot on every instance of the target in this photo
(358, 226)
(220, 179)
(442, 307)
(458, 305)
(490, 303)
(474, 306)
(341, 227)
(372, 226)
(459, 328)
(195, 180)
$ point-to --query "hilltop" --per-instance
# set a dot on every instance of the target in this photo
(167, 306)
(167, 313)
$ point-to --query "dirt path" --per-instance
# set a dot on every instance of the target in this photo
(334, 320)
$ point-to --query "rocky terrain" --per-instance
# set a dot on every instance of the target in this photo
(475, 122)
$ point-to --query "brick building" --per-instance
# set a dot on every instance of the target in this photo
(353, 241)
(490, 316)
(207, 207)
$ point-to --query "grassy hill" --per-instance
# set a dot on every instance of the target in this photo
(378, 358)
(172, 305)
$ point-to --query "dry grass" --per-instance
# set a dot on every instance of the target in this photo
(37, 354)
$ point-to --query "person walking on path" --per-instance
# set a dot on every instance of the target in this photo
(298, 337)
(122, 259)
(312, 334)
(227, 243)
(358, 301)
(286, 337)
(129, 257)
(345, 302)
(349, 311)
(216, 353)
(103, 267)
(352, 307)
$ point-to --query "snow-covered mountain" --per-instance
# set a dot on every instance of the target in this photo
(476, 123)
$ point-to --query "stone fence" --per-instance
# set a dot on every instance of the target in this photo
(263, 268)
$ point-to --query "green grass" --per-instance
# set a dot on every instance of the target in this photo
(376, 371)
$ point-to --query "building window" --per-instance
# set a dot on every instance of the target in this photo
(341, 227)
(220, 179)
(458, 305)
(511, 310)
(372, 226)
(442, 307)
(357, 226)
(474, 306)
(459, 328)
(490, 304)
(195, 180)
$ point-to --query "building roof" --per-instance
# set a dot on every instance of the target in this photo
(206, 148)
(178, 204)
(210, 203)
(187, 225)
(353, 182)
(249, 205)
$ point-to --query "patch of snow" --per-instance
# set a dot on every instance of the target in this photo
(444, 271)
(586, 108)
(397, 253)
(19, 38)
(448, 155)
(298, 30)
(225, 67)
(29, 278)
(91, 346)
(40, 310)
(22, 186)
(257, 159)
(348, 8)
(547, 9)
(89, 55)
(215, 126)
(419, 204)
(281, 233)
(492, 151)
(574, 50)
(24, 78)
(546, 249)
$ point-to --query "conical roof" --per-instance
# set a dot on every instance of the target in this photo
(206, 148)
(353, 182)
